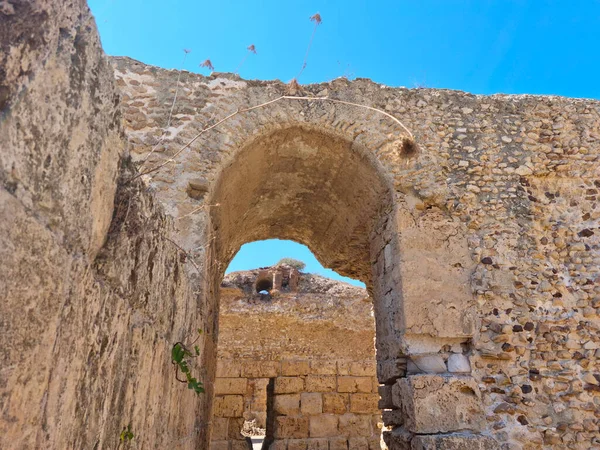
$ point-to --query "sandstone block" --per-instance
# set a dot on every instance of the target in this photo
(228, 406)
(320, 383)
(440, 404)
(288, 385)
(363, 368)
(290, 427)
(311, 403)
(230, 386)
(338, 443)
(335, 403)
(454, 442)
(323, 425)
(323, 367)
(219, 428)
(287, 404)
(228, 368)
(358, 443)
(234, 429)
(354, 384)
(297, 444)
(355, 425)
(317, 444)
(364, 403)
(294, 368)
(260, 369)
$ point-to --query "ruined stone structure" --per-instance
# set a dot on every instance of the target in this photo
(315, 342)
(479, 246)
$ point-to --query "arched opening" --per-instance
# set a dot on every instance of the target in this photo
(312, 342)
(330, 194)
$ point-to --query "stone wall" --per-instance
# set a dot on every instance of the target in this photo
(314, 341)
(484, 243)
(479, 246)
(93, 295)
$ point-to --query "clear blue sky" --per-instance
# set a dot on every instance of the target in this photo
(479, 46)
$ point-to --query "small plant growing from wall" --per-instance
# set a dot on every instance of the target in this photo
(295, 263)
(126, 435)
(180, 356)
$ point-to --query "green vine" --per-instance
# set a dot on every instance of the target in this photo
(179, 355)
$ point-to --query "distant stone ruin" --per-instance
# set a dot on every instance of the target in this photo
(472, 220)
(314, 341)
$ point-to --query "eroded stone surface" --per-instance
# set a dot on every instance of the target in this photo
(440, 404)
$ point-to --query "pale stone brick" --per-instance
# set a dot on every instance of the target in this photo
(260, 369)
(228, 406)
(320, 367)
(318, 444)
(297, 444)
(288, 385)
(363, 368)
(311, 403)
(294, 368)
(357, 443)
(338, 443)
(364, 403)
(324, 425)
(354, 384)
(228, 368)
(287, 404)
(320, 383)
(334, 403)
(230, 386)
(355, 425)
(234, 429)
(291, 427)
(440, 404)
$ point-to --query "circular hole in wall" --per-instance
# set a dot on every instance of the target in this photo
(264, 286)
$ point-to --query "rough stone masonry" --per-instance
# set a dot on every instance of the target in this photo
(480, 250)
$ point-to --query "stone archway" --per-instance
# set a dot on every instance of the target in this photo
(326, 191)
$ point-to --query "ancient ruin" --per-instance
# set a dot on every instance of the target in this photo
(472, 220)
(314, 340)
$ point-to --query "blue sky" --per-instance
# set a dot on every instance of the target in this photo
(479, 46)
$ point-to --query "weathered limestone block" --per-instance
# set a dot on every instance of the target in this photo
(228, 406)
(230, 386)
(454, 441)
(320, 383)
(354, 384)
(289, 385)
(335, 403)
(287, 404)
(436, 259)
(311, 403)
(291, 427)
(324, 425)
(364, 403)
(355, 425)
(295, 368)
(440, 404)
